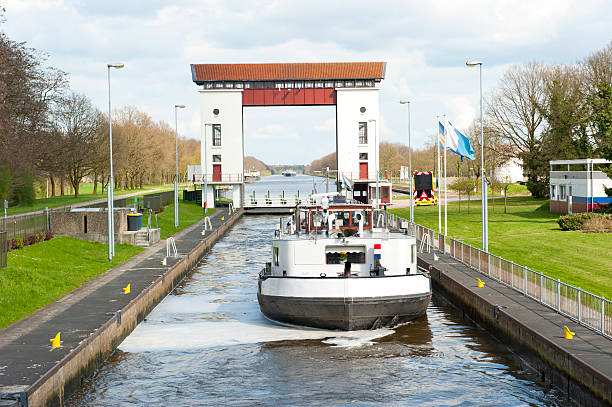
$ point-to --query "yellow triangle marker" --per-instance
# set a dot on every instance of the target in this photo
(223, 218)
(229, 213)
(55, 342)
(126, 290)
(480, 283)
(567, 334)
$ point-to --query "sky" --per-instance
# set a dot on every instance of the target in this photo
(425, 45)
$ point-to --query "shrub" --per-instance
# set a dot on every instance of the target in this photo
(599, 224)
(18, 243)
(577, 221)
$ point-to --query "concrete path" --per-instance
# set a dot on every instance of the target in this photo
(25, 352)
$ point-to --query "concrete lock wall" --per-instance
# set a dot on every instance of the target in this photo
(70, 372)
(73, 223)
(578, 380)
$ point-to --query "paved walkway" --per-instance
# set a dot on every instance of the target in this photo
(25, 352)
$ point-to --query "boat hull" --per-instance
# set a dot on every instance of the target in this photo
(342, 312)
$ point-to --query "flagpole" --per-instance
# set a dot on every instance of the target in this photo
(445, 198)
(438, 172)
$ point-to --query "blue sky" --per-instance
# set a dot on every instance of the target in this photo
(425, 45)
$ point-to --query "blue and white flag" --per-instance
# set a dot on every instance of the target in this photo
(456, 142)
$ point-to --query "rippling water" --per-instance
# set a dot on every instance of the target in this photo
(208, 344)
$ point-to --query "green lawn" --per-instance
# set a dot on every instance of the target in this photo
(189, 213)
(40, 274)
(530, 236)
(85, 194)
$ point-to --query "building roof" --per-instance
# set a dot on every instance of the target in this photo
(581, 161)
(287, 71)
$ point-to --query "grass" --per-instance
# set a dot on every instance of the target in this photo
(85, 194)
(189, 213)
(40, 274)
(530, 236)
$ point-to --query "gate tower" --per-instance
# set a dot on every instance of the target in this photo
(226, 89)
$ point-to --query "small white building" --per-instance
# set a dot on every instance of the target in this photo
(578, 185)
(511, 171)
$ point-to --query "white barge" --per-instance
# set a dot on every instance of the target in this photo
(337, 271)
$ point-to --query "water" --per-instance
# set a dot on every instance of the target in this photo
(277, 184)
(207, 344)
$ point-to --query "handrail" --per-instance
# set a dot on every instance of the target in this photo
(171, 247)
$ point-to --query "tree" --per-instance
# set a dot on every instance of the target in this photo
(465, 187)
(78, 123)
(515, 116)
(27, 90)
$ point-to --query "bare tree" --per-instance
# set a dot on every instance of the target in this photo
(78, 123)
(515, 115)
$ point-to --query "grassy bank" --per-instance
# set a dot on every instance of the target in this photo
(530, 236)
(85, 194)
(189, 213)
(40, 274)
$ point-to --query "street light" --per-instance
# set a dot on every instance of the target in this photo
(176, 222)
(407, 102)
(376, 162)
(111, 197)
(485, 211)
(204, 171)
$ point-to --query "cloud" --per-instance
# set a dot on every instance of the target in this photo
(425, 45)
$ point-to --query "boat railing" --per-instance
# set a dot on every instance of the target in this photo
(589, 310)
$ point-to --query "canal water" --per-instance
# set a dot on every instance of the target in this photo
(207, 344)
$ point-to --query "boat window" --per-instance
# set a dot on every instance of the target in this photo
(342, 254)
(276, 256)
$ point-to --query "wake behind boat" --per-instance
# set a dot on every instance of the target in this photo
(332, 269)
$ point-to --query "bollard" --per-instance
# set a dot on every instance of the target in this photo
(55, 342)
(567, 334)
(480, 283)
(126, 289)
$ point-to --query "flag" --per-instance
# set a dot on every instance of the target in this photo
(347, 183)
(456, 142)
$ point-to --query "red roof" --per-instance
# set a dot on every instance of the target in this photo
(288, 71)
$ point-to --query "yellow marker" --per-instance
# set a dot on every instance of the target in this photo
(567, 333)
(480, 283)
(229, 213)
(126, 290)
(55, 342)
(223, 218)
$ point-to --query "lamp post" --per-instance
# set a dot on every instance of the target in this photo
(407, 102)
(205, 171)
(376, 162)
(176, 216)
(485, 214)
(111, 197)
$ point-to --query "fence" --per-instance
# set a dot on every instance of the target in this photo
(24, 225)
(3, 249)
(587, 309)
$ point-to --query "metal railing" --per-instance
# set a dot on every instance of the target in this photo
(589, 310)
(3, 249)
(218, 178)
(24, 225)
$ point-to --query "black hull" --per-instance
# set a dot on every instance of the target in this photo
(346, 315)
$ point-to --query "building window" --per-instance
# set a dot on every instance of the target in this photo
(553, 192)
(309, 84)
(562, 193)
(363, 133)
(329, 84)
(216, 158)
(218, 84)
(339, 84)
(208, 85)
(359, 84)
(369, 83)
(238, 85)
(363, 156)
(318, 84)
(276, 256)
(349, 84)
(299, 85)
(216, 140)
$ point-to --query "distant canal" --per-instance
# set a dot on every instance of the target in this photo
(207, 344)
